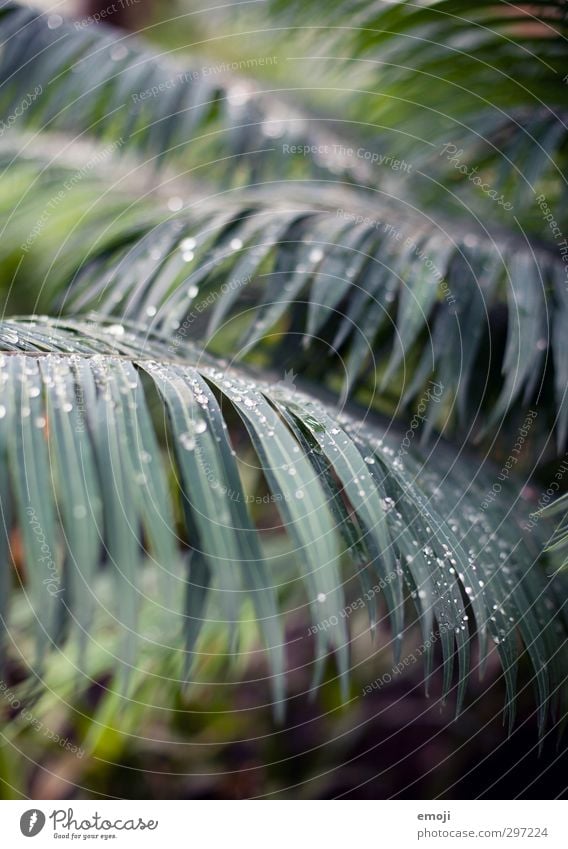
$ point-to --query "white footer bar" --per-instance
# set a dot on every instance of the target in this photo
(286, 824)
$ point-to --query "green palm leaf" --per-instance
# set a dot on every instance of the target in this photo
(86, 474)
(396, 300)
(394, 296)
(484, 74)
(98, 81)
(557, 543)
(488, 78)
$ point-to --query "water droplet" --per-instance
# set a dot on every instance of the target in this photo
(321, 597)
(187, 244)
(187, 441)
(236, 244)
(116, 330)
(239, 94)
(118, 52)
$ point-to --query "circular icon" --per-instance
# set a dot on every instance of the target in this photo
(32, 822)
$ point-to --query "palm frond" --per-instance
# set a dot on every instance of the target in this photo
(557, 544)
(489, 79)
(99, 81)
(378, 294)
(97, 419)
(396, 296)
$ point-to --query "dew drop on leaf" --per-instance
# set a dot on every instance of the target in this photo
(118, 52)
(116, 330)
(187, 441)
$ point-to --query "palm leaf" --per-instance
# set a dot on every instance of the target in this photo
(557, 543)
(101, 82)
(489, 79)
(402, 300)
(84, 479)
(396, 297)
